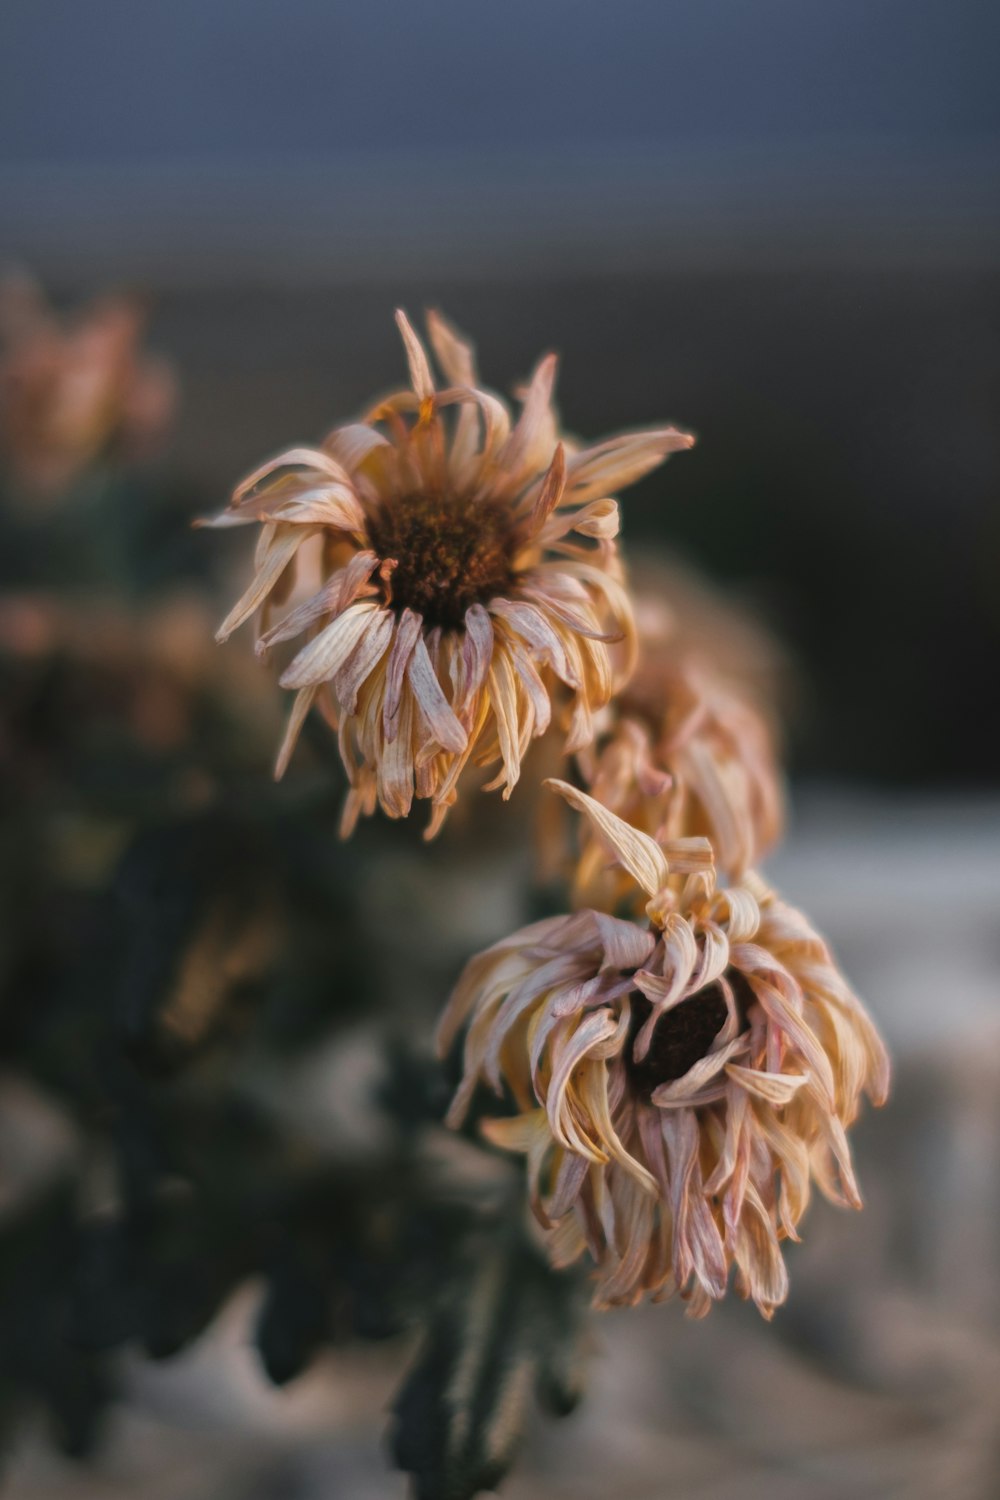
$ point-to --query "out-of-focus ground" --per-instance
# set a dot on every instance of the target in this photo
(880, 1378)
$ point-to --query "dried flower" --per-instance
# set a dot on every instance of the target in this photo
(679, 1085)
(469, 576)
(689, 752)
(72, 389)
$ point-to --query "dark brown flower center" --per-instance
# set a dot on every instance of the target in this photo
(683, 1035)
(452, 551)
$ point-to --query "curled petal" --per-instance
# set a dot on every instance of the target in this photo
(637, 852)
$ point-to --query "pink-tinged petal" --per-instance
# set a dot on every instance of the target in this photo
(680, 955)
(300, 708)
(566, 1188)
(529, 622)
(477, 650)
(521, 999)
(566, 1058)
(773, 1088)
(420, 371)
(577, 997)
(619, 461)
(625, 945)
(580, 618)
(395, 766)
(452, 351)
(685, 1090)
(407, 634)
(600, 520)
(758, 1255)
(534, 689)
(782, 1012)
(468, 457)
(335, 506)
(519, 452)
(332, 599)
(503, 694)
(594, 1098)
(434, 707)
(551, 491)
(280, 553)
(293, 458)
(363, 660)
(737, 1111)
(323, 657)
(641, 856)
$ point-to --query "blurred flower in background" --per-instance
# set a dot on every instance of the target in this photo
(76, 389)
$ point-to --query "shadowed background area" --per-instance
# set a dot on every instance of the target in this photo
(775, 224)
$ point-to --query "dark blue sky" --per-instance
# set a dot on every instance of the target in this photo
(126, 80)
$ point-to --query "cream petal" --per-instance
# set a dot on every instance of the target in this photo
(530, 623)
(324, 656)
(408, 633)
(550, 493)
(363, 660)
(280, 553)
(773, 1088)
(619, 461)
(503, 694)
(434, 707)
(395, 765)
(518, 454)
(453, 352)
(566, 1057)
(300, 708)
(640, 855)
(420, 370)
(477, 650)
(334, 597)
(351, 444)
(625, 945)
(291, 459)
(684, 1091)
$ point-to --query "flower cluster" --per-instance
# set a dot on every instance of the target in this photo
(683, 1055)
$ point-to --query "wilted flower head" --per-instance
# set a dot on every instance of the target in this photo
(678, 1085)
(72, 389)
(469, 576)
(689, 752)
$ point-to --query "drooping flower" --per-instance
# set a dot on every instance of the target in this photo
(469, 577)
(678, 1085)
(689, 752)
(74, 389)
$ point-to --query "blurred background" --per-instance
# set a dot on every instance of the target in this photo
(774, 223)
